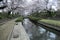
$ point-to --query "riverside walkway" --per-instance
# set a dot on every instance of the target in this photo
(9, 30)
(6, 29)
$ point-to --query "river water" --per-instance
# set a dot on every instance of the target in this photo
(37, 32)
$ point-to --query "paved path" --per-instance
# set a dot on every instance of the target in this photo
(6, 29)
(3, 21)
(19, 33)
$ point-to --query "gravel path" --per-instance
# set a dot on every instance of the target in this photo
(19, 33)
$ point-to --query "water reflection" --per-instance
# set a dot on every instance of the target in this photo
(47, 35)
(38, 33)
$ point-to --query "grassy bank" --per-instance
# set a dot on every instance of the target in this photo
(34, 18)
(48, 21)
(53, 22)
(19, 19)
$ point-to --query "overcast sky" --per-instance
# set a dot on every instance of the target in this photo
(53, 4)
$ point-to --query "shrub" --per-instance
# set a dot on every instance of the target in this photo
(20, 19)
(0, 17)
(34, 18)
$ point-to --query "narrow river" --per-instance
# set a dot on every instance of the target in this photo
(37, 32)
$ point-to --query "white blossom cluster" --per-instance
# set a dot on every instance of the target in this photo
(27, 6)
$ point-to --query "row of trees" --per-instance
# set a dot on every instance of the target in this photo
(44, 14)
(9, 8)
(8, 15)
(48, 12)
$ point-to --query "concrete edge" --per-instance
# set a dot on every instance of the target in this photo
(50, 26)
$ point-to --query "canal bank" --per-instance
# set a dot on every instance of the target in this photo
(54, 27)
(57, 28)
